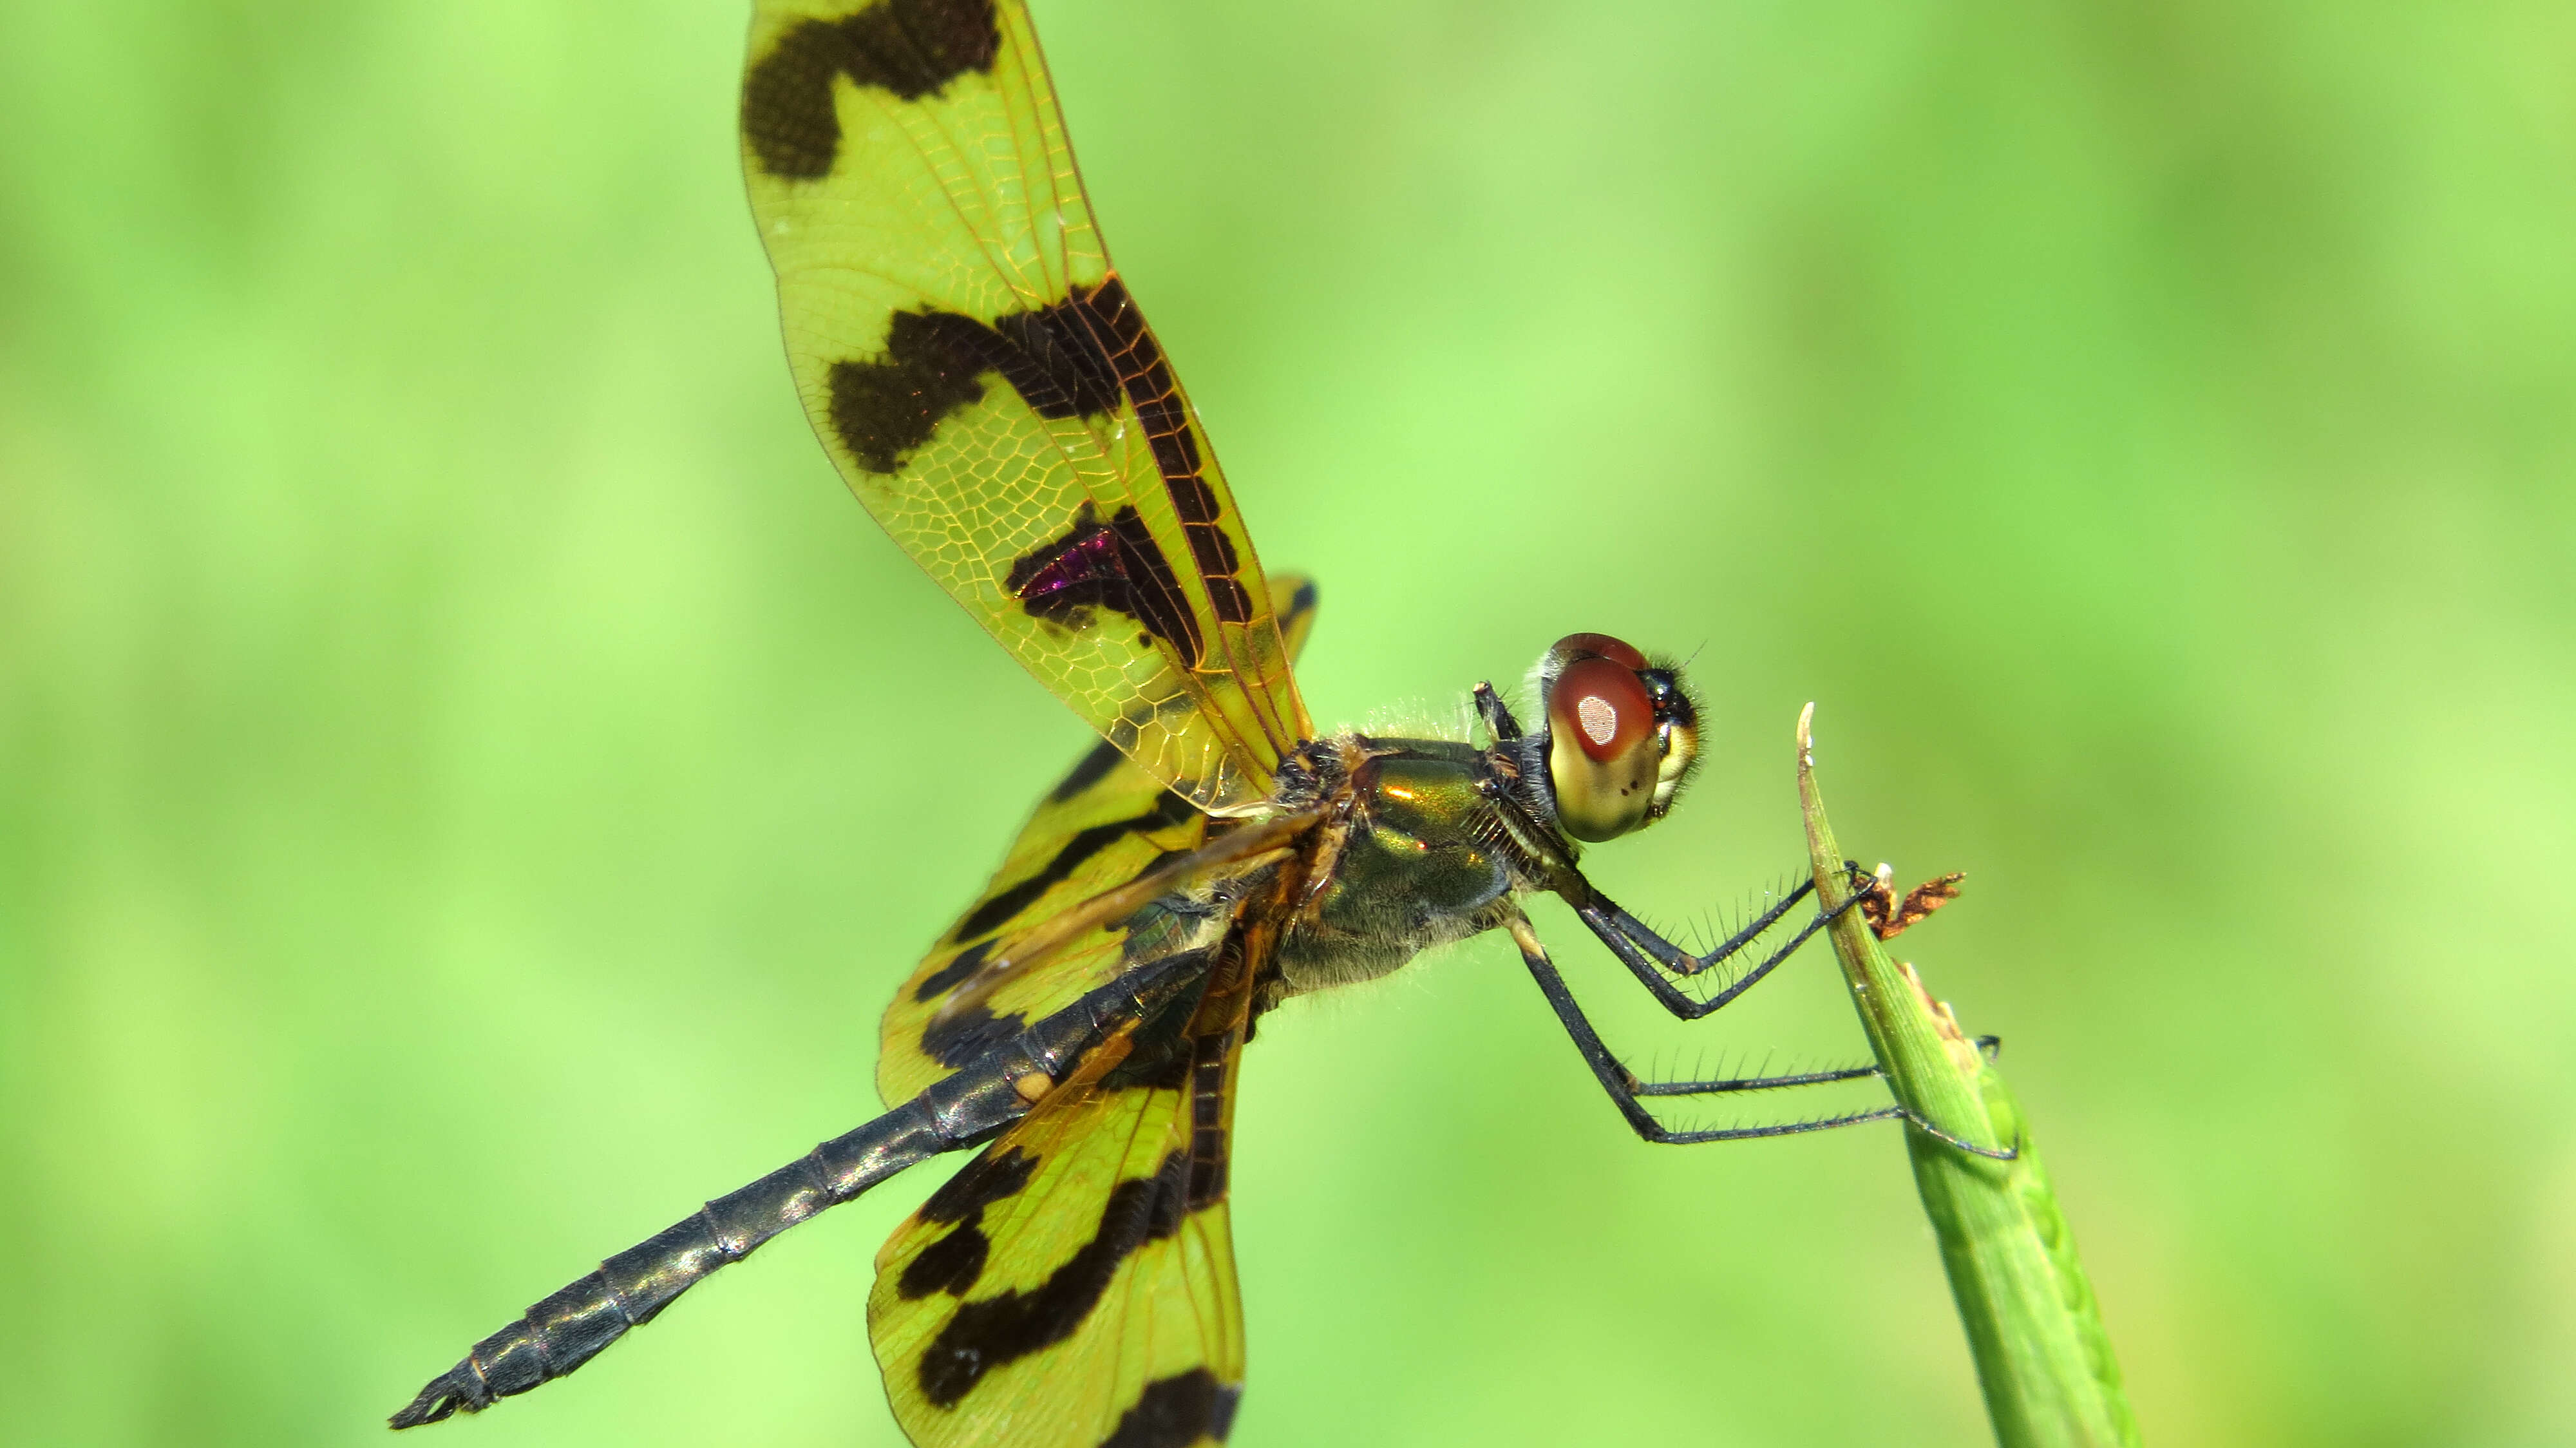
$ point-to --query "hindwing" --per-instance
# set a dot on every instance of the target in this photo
(1073, 1286)
(987, 387)
(1104, 824)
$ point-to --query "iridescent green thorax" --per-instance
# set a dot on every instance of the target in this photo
(1420, 847)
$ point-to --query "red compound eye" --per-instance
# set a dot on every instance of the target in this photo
(1600, 704)
(1598, 646)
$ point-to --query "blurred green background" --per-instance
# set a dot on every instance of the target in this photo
(469, 776)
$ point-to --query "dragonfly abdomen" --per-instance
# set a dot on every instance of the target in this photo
(569, 1327)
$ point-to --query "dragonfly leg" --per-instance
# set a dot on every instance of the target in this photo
(1653, 960)
(1753, 1083)
(1624, 1088)
(1497, 715)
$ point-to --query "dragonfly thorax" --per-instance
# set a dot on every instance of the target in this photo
(1417, 849)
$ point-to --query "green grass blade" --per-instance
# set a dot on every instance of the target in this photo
(2042, 1356)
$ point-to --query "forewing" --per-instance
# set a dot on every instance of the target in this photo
(1073, 1286)
(988, 388)
(1106, 823)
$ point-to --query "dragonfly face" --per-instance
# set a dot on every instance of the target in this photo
(1623, 735)
(986, 385)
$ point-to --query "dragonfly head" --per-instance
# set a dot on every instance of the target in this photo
(1623, 735)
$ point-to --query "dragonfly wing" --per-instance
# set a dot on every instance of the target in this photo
(990, 391)
(1106, 823)
(1074, 1285)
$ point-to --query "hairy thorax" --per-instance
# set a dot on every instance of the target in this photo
(1414, 852)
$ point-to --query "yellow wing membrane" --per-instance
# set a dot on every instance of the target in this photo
(1099, 829)
(1073, 1286)
(990, 391)
(1104, 824)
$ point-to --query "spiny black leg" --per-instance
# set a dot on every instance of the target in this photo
(1752, 1083)
(1496, 714)
(1623, 1088)
(1682, 962)
(1990, 1153)
(1648, 955)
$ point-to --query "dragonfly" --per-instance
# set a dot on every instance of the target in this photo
(984, 382)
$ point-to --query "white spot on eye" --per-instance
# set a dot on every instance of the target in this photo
(1598, 716)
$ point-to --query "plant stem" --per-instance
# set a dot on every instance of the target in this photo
(2042, 1356)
